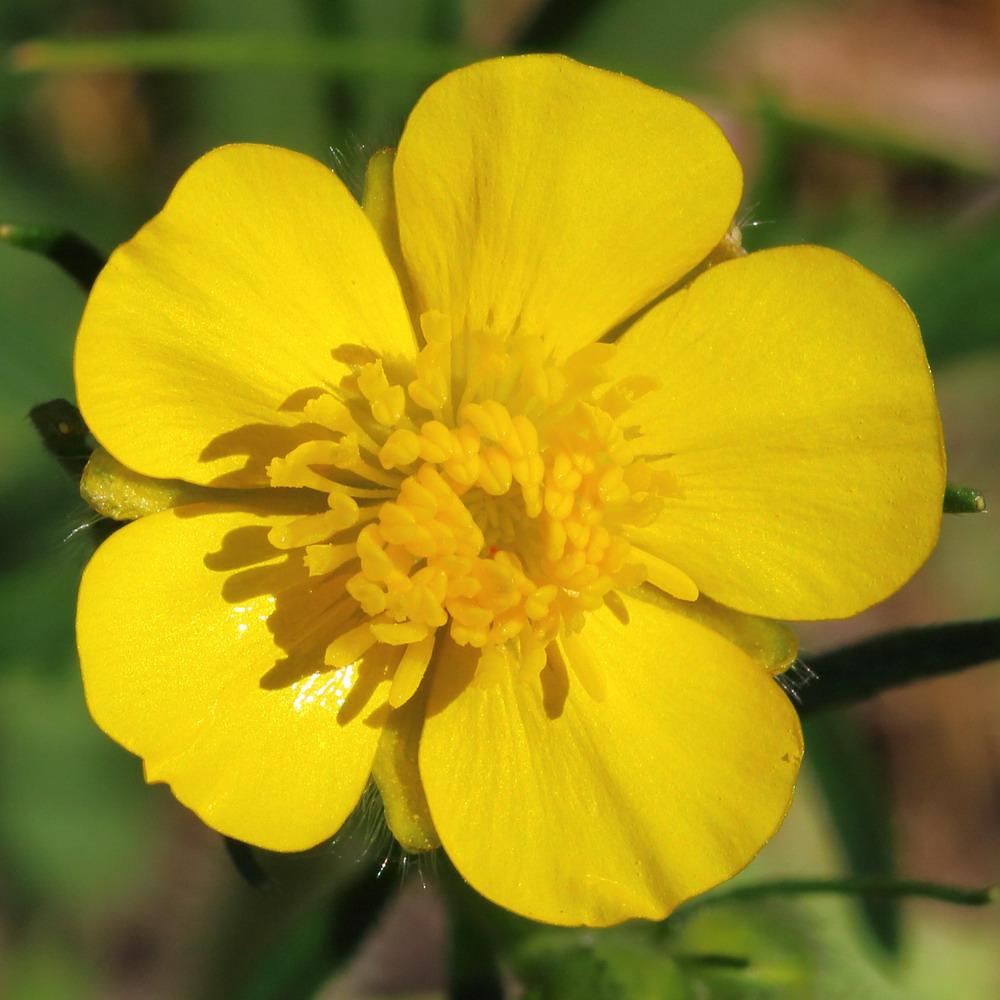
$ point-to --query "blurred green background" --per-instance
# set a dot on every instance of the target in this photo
(867, 125)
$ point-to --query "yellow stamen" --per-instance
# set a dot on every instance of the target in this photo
(503, 514)
(410, 671)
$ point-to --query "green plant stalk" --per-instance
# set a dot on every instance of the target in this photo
(889, 888)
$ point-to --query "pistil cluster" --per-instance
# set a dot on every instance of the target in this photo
(482, 488)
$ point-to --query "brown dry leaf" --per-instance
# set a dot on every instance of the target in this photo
(918, 70)
(493, 24)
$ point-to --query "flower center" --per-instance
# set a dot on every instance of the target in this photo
(493, 496)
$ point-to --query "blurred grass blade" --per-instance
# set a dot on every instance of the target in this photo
(320, 943)
(772, 192)
(473, 971)
(554, 23)
(75, 256)
(901, 888)
(951, 286)
(853, 673)
(713, 961)
(384, 58)
(296, 967)
(963, 500)
(853, 784)
(480, 933)
(848, 772)
(804, 123)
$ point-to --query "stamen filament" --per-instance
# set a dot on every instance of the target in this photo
(508, 525)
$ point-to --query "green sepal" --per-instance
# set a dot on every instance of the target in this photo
(119, 493)
(81, 261)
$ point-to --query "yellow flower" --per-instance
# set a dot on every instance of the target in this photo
(447, 531)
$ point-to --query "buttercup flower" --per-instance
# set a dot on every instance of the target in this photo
(416, 509)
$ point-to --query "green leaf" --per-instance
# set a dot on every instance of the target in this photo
(74, 255)
(774, 949)
(602, 967)
(732, 952)
(852, 673)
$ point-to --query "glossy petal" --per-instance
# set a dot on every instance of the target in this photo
(797, 405)
(535, 193)
(190, 662)
(573, 810)
(222, 307)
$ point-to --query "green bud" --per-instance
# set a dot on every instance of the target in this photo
(963, 500)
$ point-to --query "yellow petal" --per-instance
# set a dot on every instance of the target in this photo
(540, 194)
(773, 645)
(799, 412)
(203, 653)
(576, 811)
(225, 305)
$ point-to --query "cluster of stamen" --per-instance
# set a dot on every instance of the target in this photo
(483, 489)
